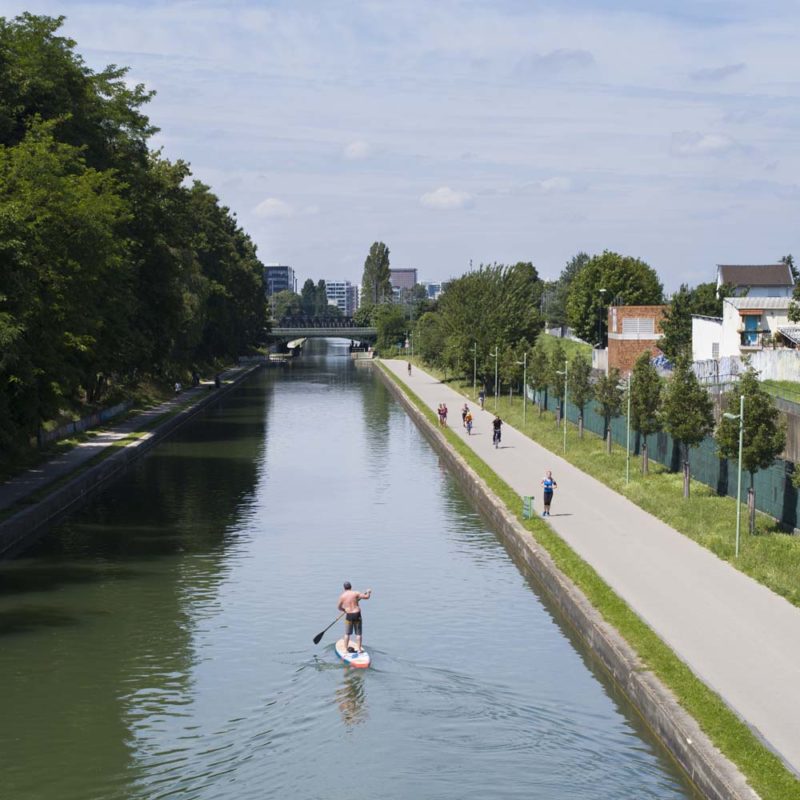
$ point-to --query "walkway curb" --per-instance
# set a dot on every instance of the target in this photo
(714, 775)
(20, 528)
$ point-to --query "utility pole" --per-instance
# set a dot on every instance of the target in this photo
(740, 417)
(474, 366)
(565, 373)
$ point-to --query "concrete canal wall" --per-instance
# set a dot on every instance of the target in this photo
(714, 775)
(19, 529)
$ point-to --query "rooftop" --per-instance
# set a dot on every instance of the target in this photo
(771, 303)
(756, 274)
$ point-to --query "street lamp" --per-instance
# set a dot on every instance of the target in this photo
(740, 417)
(411, 337)
(495, 355)
(627, 386)
(474, 365)
(565, 373)
(524, 363)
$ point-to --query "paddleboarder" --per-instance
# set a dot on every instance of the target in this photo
(348, 604)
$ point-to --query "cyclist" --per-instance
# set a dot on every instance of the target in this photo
(464, 412)
(497, 423)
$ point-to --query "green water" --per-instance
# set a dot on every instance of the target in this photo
(158, 643)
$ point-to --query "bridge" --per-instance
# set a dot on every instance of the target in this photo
(332, 328)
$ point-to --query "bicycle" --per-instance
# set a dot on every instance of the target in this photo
(496, 438)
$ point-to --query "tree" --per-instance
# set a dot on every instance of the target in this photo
(581, 390)
(704, 300)
(538, 372)
(375, 284)
(493, 305)
(428, 338)
(646, 392)
(789, 261)
(763, 438)
(510, 366)
(285, 303)
(308, 298)
(391, 324)
(555, 374)
(609, 401)
(632, 280)
(321, 306)
(554, 306)
(687, 413)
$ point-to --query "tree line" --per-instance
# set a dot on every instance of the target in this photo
(115, 264)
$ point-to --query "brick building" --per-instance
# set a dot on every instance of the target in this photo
(631, 331)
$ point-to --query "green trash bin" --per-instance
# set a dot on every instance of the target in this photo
(527, 506)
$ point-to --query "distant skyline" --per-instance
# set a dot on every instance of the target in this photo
(463, 131)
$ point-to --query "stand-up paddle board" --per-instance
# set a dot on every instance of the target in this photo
(359, 660)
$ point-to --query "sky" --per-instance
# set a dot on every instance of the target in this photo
(463, 132)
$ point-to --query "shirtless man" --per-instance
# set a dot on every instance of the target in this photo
(348, 603)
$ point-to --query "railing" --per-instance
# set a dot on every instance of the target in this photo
(753, 339)
(317, 322)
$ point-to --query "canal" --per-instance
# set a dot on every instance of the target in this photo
(157, 644)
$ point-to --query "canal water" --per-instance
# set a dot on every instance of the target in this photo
(158, 644)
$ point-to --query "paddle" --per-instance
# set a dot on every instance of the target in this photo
(319, 636)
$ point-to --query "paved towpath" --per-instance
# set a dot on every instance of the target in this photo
(739, 637)
(17, 489)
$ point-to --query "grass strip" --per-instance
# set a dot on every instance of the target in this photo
(765, 772)
(770, 557)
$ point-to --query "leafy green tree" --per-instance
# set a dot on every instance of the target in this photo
(391, 324)
(580, 387)
(284, 304)
(510, 368)
(687, 413)
(375, 284)
(608, 395)
(704, 300)
(632, 280)
(555, 374)
(764, 435)
(789, 261)
(321, 306)
(64, 277)
(428, 338)
(646, 393)
(491, 305)
(539, 372)
(308, 298)
(363, 316)
(554, 305)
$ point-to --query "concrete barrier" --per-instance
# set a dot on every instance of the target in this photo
(713, 774)
(21, 528)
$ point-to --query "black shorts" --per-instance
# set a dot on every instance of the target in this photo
(353, 624)
(548, 496)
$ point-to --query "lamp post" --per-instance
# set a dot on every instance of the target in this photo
(627, 386)
(524, 363)
(565, 373)
(411, 338)
(474, 366)
(740, 417)
(495, 356)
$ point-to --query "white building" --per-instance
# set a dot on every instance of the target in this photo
(757, 280)
(343, 295)
(706, 337)
(749, 323)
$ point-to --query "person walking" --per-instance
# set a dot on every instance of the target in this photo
(409, 369)
(353, 624)
(468, 423)
(482, 397)
(444, 415)
(548, 484)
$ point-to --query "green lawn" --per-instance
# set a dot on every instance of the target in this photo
(789, 390)
(770, 557)
(570, 347)
(762, 768)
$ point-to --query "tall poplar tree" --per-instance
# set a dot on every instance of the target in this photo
(687, 413)
(646, 390)
(375, 284)
(580, 385)
(609, 401)
(763, 438)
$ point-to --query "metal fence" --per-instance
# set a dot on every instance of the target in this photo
(775, 494)
(80, 425)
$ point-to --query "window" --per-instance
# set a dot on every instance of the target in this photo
(639, 325)
(715, 350)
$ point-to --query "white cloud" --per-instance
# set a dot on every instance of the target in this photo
(357, 150)
(687, 143)
(556, 184)
(555, 61)
(446, 199)
(273, 208)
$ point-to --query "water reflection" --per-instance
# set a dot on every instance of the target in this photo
(351, 697)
